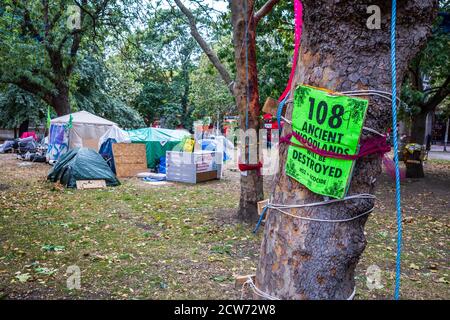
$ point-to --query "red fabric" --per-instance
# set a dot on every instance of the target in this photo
(249, 167)
(390, 168)
(298, 10)
(267, 116)
(369, 146)
(29, 134)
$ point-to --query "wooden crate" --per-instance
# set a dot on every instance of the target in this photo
(193, 167)
(129, 159)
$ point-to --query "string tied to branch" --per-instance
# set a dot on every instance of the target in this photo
(373, 145)
(283, 207)
(251, 167)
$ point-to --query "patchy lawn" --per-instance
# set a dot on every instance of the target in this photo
(138, 241)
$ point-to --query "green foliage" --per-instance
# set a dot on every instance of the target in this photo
(123, 78)
(37, 41)
(153, 67)
(275, 47)
(170, 53)
(91, 94)
(209, 95)
(433, 62)
(158, 100)
(17, 106)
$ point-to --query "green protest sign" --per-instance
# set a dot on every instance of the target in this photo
(332, 123)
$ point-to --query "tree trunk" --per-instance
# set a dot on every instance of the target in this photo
(60, 102)
(414, 166)
(185, 96)
(24, 127)
(418, 127)
(247, 84)
(447, 124)
(312, 260)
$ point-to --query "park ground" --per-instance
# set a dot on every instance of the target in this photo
(138, 241)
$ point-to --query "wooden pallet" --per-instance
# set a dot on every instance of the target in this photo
(129, 159)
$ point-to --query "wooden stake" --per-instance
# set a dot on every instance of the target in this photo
(270, 106)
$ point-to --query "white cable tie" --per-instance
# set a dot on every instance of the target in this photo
(324, 220)
(379, 93)
(289, 101)
(313, 204)
(374, 131)
(374, 92)
(257, 291)
(286, 120)
(267, 296)
(353, 294)
(364, 128)
(279, 208)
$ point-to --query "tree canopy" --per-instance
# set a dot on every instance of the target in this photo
(135, 62)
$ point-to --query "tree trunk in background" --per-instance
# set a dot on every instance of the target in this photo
(60, 102)
(418, 128)
(252, 183)
(447, 124)
(313, 260)
(24, 127)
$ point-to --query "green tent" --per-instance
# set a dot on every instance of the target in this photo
(157, 142)
(81, 164)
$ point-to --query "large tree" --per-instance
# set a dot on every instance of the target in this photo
(245, 16)
(166, 56)
(42, 40)
(427, 84)
(302, 259)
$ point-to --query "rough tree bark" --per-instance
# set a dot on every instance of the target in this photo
(312, 260)
(241, 11)
(247, 84)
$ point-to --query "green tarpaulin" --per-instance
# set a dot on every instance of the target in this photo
(81, 164)
(157, 142)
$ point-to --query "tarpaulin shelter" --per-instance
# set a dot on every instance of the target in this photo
(106, 151)
(114, 132)
(157, 142)
(219, 144)
(82, 164)
(79, 129)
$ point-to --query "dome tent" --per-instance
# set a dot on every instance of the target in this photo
(82, 164)
(114, 132)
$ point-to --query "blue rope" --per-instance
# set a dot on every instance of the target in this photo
(280, 111)
(397, 170)
(261, 217)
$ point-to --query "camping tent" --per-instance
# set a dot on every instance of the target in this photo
(79, 129)
(219, 144)
(114, 132)
(157, 142)
(81, 164)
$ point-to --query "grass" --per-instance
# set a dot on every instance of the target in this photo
(182, 242)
